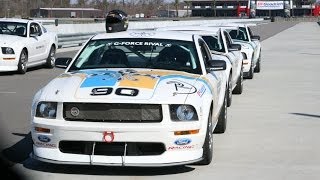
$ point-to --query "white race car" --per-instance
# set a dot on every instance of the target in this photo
(135, 98)
(250, 43)
(222, 48)
(25, 43)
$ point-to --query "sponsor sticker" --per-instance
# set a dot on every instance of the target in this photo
(44, 139)
(181, 147)
(47, 145)
(182, 141)
(140, 43)
(142, 34)
(201, 91)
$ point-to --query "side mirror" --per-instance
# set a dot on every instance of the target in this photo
(33, 35)
(217, 65)
(235, 47)
(62, 62)
(36, 34)
(255, 37)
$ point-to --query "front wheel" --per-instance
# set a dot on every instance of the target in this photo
(239, 88)
(257, 69)
(251, 72)
(23, 61)
(222, 119)
(229, 93)
(208, 144)
(51, 58)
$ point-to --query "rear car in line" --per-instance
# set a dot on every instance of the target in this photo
(250, 43)
(221, 47)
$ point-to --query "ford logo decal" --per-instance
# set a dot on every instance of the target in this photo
(44, 138)
(182, 141)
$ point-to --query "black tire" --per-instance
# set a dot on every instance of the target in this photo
(239, 88)
(251, 72)
(51, 58)
(222, 119)
(257, 69)
(208, 144)
(23, 61)
(229, 91)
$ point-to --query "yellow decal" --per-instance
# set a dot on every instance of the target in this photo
(139, 81)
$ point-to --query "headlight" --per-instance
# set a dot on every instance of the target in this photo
(7, 50)
(46, 110)
(183, 113)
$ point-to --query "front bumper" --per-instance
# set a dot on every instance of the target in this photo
(246, 62)
(8, 63)
(48, 149)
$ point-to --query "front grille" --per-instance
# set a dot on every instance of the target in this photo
(102, 112)
(112, 149)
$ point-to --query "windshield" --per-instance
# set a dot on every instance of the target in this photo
(13, 28)
(139, 53)
(240, 34)
(214, 43)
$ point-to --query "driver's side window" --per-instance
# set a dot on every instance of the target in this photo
(206, 55)
(35, 29)
(228, 41)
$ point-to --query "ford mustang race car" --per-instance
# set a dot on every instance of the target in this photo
(25, 43)
(221, 47)
(136, 98)
(251, 46)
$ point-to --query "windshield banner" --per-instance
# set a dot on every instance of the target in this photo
(270, 5)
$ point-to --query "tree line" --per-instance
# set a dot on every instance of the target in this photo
(14, 8)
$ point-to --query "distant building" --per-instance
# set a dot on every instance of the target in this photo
(67, 13)
(222, 7)
(253, 8)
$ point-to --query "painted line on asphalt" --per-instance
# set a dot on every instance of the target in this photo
(7, 92)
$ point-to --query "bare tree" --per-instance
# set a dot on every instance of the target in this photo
(213, 7)
(188, 6)
(311, 3)
(176, 5)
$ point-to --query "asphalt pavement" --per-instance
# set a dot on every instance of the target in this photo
(272, 127)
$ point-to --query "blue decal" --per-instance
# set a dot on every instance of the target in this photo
(182, 141)
(100, 78)
(43, 138)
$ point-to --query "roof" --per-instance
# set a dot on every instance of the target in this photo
(213, 30)
(70, 9)
(142, 34)
(202, 33)
(14, 20)
(230, 25)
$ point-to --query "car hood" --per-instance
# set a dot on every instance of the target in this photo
(8, 40)
(122, 85)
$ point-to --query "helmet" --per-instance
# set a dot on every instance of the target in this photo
(116, 21)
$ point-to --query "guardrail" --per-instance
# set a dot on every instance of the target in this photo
(298, 19)
(76, 39)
